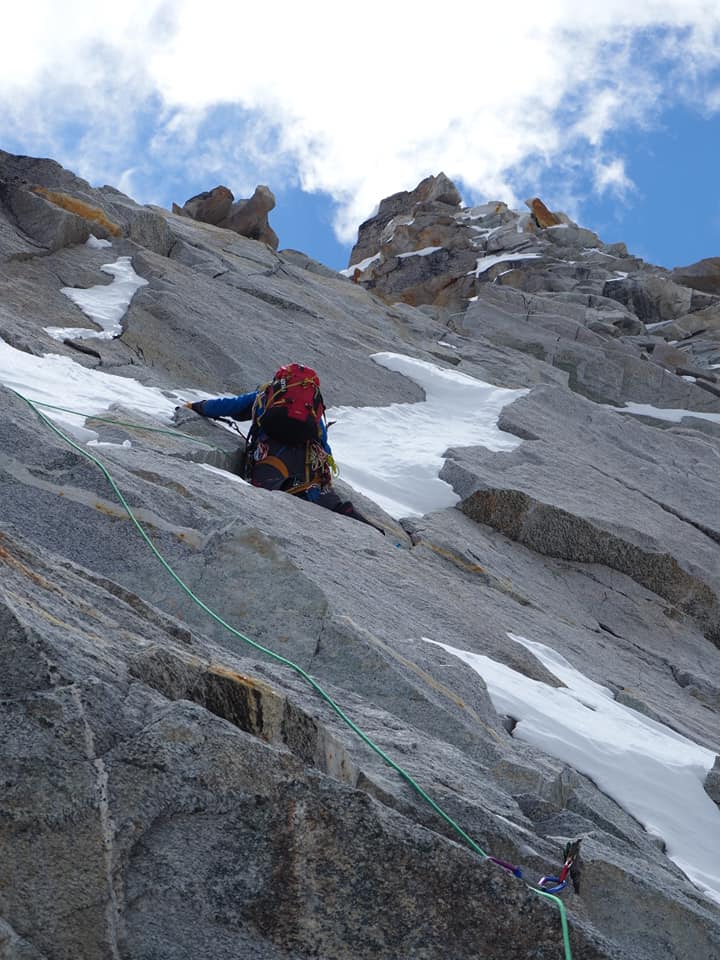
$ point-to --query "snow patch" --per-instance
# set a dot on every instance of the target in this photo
(105, 304)
(483, 210)
(484, 263)
(59, 380)
(589, 250)
(371, 443)
(655, 774)
(225, 474)
(425, 252)
(672, 415)
(95, 243)
(125, 445)
(361, 266)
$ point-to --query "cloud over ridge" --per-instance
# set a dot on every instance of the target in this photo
(354, 101)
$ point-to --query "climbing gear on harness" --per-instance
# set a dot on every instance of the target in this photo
(293, 468)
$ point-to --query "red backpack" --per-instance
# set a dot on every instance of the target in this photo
(291, 406)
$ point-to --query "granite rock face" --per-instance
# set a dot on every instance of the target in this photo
(172, 790)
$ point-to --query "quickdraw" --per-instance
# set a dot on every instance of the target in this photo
(571, 868)
(550, 884)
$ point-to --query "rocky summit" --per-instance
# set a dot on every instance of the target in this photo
(170, 789)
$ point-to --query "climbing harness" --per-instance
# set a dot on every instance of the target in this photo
(322, 693)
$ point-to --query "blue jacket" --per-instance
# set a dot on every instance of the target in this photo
(241, 408)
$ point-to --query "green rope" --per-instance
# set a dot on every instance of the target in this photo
(288, 663)
(122, 423)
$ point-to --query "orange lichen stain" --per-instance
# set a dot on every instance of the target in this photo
(79, 207)
(109, 511)
(453, 558)
(6, 557)
(220, 671)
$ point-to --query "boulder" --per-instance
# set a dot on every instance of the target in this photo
(438, 276)
(616, 250)
(54, 207)
(42, 171)
(48, 224)
(437, 188)
(667, 356)
(705, 321)
(652, 298)
(678, 362)
(543, 217)
(703, 275)
(14, 244)
(145, 225)
(212, 206)
(249, 217)
(656, 298)
(434, 189)
(578, 239)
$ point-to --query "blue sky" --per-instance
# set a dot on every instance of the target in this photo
(672, 215)
(612, 114)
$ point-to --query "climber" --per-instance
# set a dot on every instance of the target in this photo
(287, 446)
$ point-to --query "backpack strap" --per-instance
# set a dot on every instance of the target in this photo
(278, 465)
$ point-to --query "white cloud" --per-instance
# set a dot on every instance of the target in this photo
(611, 175)
(712, 101)
(356, 101)
(125, 183)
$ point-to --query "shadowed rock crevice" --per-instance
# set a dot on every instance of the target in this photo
(250, 704)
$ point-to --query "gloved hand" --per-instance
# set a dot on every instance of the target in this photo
(195, 405)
